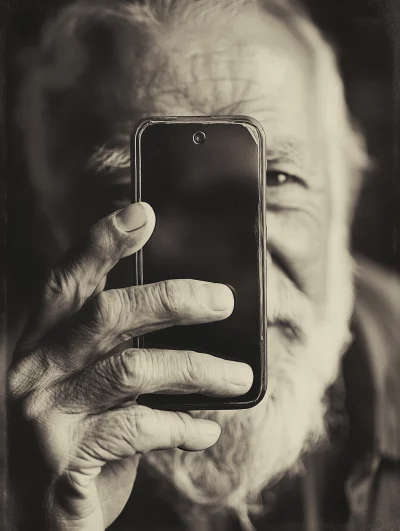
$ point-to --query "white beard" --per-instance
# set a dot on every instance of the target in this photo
(258, 446)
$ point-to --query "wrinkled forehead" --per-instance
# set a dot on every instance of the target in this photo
(224, 71)
(254, 65)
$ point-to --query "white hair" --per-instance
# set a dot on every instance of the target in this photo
(61, 55)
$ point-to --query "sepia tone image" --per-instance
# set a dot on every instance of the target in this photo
(200, 265)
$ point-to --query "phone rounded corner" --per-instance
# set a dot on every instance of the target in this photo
(164, 402)
(259, 398)
(249, 121)
(139, 129)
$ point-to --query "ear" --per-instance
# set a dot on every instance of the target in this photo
(361, 164)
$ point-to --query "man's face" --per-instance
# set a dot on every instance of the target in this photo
(261, 70)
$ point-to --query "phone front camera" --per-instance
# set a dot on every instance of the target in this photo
(199, 137)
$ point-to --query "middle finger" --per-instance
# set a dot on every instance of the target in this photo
(133, 372)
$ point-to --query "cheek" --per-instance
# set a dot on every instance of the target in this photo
(298, 238)
(303, 234)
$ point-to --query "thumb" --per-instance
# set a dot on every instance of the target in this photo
(81, 273)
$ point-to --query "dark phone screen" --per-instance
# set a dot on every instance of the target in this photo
(205, 191)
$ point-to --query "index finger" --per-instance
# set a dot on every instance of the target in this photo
(117, 315)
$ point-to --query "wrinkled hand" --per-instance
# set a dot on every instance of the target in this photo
(69, 385)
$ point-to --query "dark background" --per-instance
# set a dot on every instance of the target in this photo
(365, 32)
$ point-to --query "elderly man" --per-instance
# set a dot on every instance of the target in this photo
(323, 446)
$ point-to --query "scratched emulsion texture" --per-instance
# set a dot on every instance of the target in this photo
(393, 14)
(3, 335)
(351, 23)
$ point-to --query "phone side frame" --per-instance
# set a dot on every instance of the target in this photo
(256, 130)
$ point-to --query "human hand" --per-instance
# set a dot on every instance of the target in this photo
(71, 381)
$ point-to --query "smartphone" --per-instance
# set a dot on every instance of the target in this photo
(205, 179)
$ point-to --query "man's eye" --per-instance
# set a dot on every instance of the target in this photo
(280, 178)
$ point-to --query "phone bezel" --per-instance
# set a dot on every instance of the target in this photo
(256, 129)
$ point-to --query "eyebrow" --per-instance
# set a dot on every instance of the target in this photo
(292, 151)
(109, 159)
(286, 150)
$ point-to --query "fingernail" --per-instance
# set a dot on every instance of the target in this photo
(233, 291)
(218, 296)
(239, 373)
(132, 217)
(209, 428)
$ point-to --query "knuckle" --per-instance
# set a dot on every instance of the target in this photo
(58, 283)
(103, 312)
(27, 374)
(179, 428)
(141, 300)
(223, 372)
(173, 295)
(141, 424)
(108, 309)
(132, 369)
(142, 427)
(171, 298)
(101, 238)
(63, 284)
(195, 371)
(107, 240)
